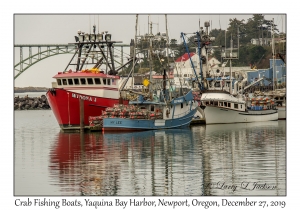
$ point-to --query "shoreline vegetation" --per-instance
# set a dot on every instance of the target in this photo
(30, 89)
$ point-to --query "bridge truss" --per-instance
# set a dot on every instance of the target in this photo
(39, 52)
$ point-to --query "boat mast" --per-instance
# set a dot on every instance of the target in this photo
(200, 84)
(273, 55)
(134, 49)
(167, 36)
(230, 59)
(167, 45)
(150, 58)
(206, 24)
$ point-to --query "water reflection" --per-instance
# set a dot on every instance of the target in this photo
(203, 160)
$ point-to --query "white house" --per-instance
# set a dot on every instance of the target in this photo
(183, 67)
(261, 41)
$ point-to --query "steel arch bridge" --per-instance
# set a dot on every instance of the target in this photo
(39, 52)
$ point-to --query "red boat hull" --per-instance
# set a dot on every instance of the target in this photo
(66, 107)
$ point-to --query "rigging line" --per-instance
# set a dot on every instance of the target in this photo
(121, 51)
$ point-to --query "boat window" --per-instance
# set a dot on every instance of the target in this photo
(207, 102)
(104, 81)
(64, 82)
(228, 105)
(58, 81)
(108, 81)
(82, 81)
(185, 75)
(225, 104)
(215, 103)
(217, 84)
(97, 81)
(241, 106)
(152, 108)
(236, 106)
(181, 105)
(70, 81)
(90, 81)
(76, 81)
(220, 103)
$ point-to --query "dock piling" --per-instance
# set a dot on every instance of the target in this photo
(81, 110)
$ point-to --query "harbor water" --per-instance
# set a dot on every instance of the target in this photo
(212, 160)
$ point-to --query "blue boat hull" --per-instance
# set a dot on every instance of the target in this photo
(121, 124)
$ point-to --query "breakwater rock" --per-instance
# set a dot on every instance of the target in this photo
(31, 103)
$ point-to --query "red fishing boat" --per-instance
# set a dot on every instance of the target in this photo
(84, 79)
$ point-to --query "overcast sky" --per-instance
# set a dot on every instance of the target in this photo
(61, 29)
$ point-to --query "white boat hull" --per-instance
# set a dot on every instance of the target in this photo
(215, 115)
(281, 112)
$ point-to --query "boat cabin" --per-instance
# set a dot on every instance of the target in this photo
(73, 79)
(239, 106)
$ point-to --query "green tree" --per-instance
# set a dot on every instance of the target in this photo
(235, 31)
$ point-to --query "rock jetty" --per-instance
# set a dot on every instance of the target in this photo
(31, 103)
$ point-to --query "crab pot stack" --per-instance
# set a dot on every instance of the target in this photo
(96, 121)
(155, 115)
(130, 112)
(196, 96)
(139, 114)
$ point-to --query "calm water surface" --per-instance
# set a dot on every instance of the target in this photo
(235, 159)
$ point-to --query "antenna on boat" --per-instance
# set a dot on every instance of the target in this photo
(98, 24)
(90, 23)
(157, 24)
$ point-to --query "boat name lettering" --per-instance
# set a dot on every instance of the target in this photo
(86, 98)
(116, 122)
(178, 101)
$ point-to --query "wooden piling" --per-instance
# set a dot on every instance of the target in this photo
(81, 110)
